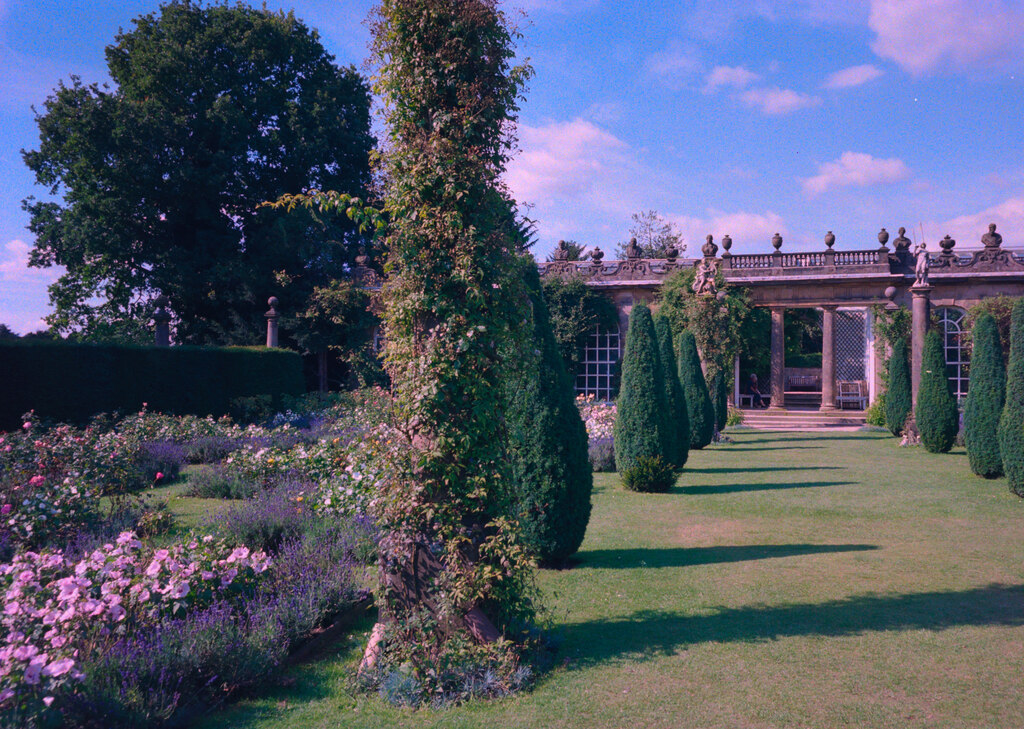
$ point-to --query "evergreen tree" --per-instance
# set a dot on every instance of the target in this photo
(699, 410)
(937, 417)
(548, 442)
(1011, 423)
(640, 422)
(720, 399)
(678, 423)
(898, 400)
(985, 399)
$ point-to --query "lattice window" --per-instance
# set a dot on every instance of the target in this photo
(850, 345)
(599, 370)
(951, 321)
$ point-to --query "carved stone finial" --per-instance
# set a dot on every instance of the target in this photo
(362, 259)
(830, 240)
(777, 241)
(632, 250)
(902, 243)
(709, 249)
(672, 253)
(272, 302)
(947, 244)
(726, 242)
(992, 239)
(272, 317)
(596, 255)
(162, 322)
(883, 237)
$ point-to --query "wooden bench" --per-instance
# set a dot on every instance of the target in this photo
(853, 392)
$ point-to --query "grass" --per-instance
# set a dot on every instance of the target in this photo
(788, 580)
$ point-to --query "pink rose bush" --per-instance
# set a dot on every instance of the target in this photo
(598, 416)
(56, 612)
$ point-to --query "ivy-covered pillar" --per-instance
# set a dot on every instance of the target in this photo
(778, 360)
(828, 358)
(918, 328)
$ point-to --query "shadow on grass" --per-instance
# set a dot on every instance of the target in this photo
(686, 557)
(763, 469)
(649, 633)
(733, 488)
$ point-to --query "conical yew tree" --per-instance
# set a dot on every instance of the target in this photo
(678, 425)
(898, 401)
(1011, 422)
(937, 417)
(985, 397)
(695, 390)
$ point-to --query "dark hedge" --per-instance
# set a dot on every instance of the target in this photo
(898, 400)
(1011, 422)
(985, 397)
(677, 429)
(695, 389)
(548, 444)
(72, 382)
(936, 415)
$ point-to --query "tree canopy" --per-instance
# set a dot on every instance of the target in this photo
(653, 234)
(154, 185)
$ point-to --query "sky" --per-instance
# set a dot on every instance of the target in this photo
(745, 118)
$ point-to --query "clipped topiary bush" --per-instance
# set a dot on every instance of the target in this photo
(640, 421)
(1011, 422)
(699, 410)
(720, 399)
(650, 474)
(548, 443)
(938, 419)
(985, 399)
(898, 400)
(677, 430)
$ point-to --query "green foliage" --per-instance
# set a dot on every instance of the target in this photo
(875, 414)
(719, 327)
(1011, 422)
(699, 409)
(654, 235)
(937, 417)
(449, 96)
(576, 310)
(677, 430)
(720, 399)
(548, 441)
(1001, 309)
(640, 421)
(898, 397)
(985, 397)
(154, 186)
(649, 474)
(71, 382)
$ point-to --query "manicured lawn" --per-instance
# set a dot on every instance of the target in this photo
(788, 580)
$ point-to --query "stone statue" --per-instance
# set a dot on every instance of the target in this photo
(709, 249)
(632, 250)
(921, 267)
(704, 280)
(903, 242)
(562, 251)
(992, 239)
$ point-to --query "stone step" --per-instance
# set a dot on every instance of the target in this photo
(802, 419)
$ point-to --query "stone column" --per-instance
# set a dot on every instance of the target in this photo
(778, 373)
(736, 380)
(272, 317)
(828, 358)
(918, 328)
(162, 322)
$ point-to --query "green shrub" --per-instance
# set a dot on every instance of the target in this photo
(875, 414)
(1011, 422)
(640, 414)
(71, 382)
(677, 428)
(649, 474)
(898, 402)
(938, 419)
(985, 399)
(548, 443)
(720, 399)
(699, 410)
(216, 482)
(734, 418)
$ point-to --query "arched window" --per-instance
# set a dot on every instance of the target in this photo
(951, 323)
(600, 363)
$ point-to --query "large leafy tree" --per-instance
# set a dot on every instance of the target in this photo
(654, 235)
(155, 184)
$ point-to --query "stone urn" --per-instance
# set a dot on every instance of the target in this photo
(830, 240)
(883, 237)
(726, 243)
(597, 255)
(947, 244)
(777, 241)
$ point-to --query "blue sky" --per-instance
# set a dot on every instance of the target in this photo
(744, 118)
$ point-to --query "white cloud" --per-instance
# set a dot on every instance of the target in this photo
(563, 159)
(735, 77)
(23, 294)
(855, 168)
(967, 229)
(749, 231)
(926, 35)
(776, 102)
(14, 265)
(853, 76)
(673, 62)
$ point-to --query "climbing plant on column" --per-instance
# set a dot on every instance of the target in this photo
(985, 399)
(1011, 422)
(937, 417)
(454, 577)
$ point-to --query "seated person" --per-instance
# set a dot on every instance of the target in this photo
(756, 400)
